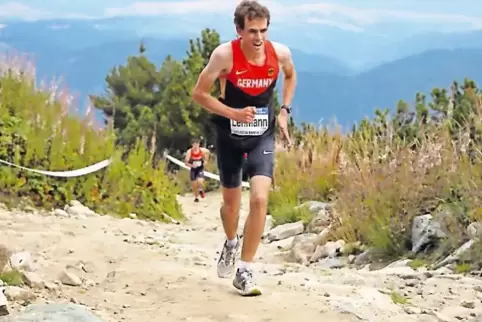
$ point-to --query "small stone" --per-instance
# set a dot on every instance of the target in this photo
(15, 293)
(61, 213)
(33, 280)
(69, 278)
(22, 261)
(468, 305)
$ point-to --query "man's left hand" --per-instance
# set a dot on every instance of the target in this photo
(283, 124)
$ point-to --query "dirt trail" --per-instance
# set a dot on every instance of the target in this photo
(141, 271)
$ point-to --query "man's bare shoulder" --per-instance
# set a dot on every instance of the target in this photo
(222, 53)
(282, 51)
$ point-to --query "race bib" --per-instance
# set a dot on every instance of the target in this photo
(197, 163)
(257, 127)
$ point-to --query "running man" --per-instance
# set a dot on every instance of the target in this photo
(195, 158)
(248, 68)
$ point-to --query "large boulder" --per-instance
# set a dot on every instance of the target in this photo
(53, 313)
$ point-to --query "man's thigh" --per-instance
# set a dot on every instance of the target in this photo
(261, 158)
(230, 163)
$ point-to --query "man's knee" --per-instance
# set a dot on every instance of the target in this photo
(231, 201)
(259, 200)
(260, 186)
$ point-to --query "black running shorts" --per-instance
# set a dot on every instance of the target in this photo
(230, 159)
(196, 173)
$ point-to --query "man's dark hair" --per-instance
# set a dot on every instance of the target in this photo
(249, 9)
(196, 140)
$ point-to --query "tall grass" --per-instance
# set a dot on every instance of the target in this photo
(38, 130)
(378, 179)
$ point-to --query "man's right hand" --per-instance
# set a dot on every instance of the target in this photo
(245, 115)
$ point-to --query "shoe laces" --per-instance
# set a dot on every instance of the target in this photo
(246, 276)
(229, 253)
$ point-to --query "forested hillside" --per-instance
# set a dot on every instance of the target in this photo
(83, 54)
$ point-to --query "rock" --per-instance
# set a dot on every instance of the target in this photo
(322, 237)
(366, 303)
(331, 263)
(22, 261)
(3, 303)
(268, 224)
(285, 231)
(133, 216)
(474, 230)
(61, 213)
(330, 249)
(468, 304)
(302, 248)
(455, 255)
(33, 280)
(51, 286)
(15, 293)
(69, 278)
(364, 257)
(399, 263)
(322, 216)
(55, 313)
(424, 229)
(454, 313)
(285, 244)
(80, 211)
(77, 209)
(315, 207)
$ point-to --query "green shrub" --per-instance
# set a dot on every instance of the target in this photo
(390, 169)
(37, 131)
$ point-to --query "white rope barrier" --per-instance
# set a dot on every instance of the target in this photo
(103, 164)
(206, 173)
(64, 174)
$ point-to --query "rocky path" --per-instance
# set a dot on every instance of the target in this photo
(132, 270)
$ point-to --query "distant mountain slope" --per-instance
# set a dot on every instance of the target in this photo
(84, 52)
(322, 95)
(423, 42)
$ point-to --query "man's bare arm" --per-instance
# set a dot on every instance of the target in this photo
(201, 93)
(187, 157)
(289, 84)
(287, 65)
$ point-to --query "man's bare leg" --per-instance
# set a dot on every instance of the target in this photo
(230, 216)
(253, 230)
(230, 211)
(200, 183)
(195, 190)
(254, 226)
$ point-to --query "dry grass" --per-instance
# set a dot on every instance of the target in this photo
(378, 182)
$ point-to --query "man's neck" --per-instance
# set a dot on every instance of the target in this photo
(252, 55)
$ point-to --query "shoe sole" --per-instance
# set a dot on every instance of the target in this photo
(256, 291)
(225, 275)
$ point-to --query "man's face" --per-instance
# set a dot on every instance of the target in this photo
(195, 145)
(254, 33)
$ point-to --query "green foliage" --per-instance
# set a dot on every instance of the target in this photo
(12, 278)
(37, 132)
(287, 213)
(387, 170)
(155, 103)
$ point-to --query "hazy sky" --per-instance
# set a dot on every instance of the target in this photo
(345, 14)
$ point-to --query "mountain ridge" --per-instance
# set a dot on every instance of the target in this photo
(327, 86)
